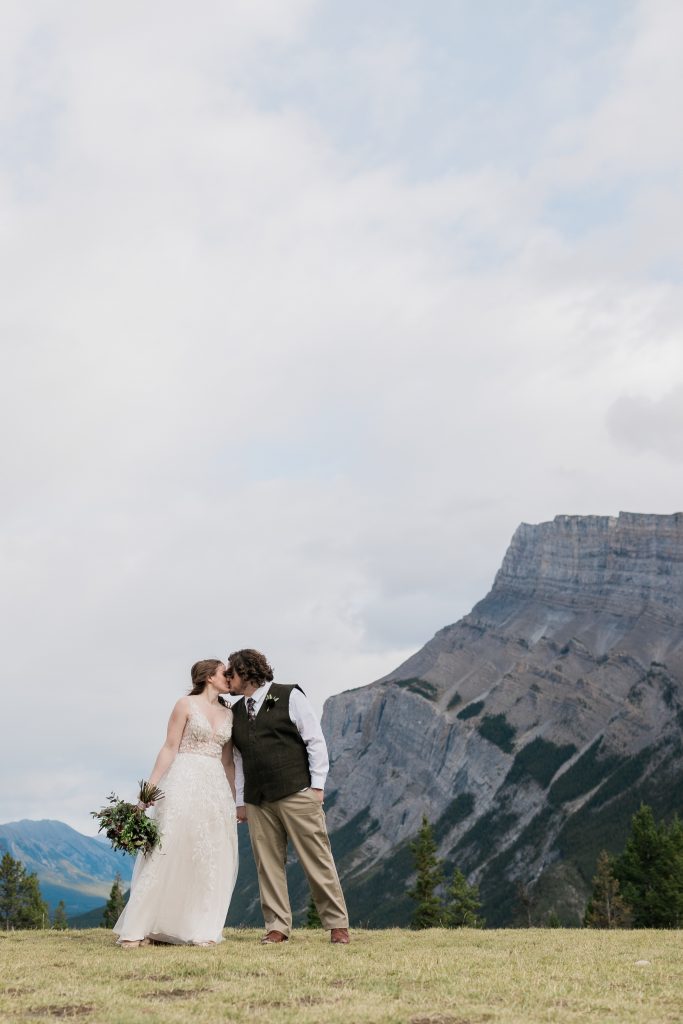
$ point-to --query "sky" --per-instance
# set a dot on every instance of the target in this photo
(305, 307)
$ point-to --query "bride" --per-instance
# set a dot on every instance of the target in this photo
(181, 891)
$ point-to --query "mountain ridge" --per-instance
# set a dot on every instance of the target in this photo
(571, 668)
(70, 866)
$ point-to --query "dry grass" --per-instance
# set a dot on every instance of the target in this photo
(435, 977)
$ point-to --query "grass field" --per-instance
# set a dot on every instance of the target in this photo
(432, 977)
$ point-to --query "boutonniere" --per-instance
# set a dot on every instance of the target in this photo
(270, 701)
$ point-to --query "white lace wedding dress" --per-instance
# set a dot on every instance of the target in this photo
(181, 891)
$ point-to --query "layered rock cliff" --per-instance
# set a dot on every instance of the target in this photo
(528, 732)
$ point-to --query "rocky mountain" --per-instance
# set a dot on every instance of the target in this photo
(71, 867)
(528, 732)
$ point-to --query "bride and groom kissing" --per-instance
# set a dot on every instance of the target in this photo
(261, 758)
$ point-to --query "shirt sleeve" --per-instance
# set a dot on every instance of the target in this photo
(239, 777)
(305, 719)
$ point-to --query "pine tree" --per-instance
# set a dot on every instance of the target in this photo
(676, 841)
(35, 911)
(312, 916)
(59, 920)
(462, 903)
(21, 901)
(606, 907)
(429, 912)
(115, 904)
(11, 872)
(650, 871)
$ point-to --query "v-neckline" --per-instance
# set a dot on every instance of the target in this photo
(207, 720)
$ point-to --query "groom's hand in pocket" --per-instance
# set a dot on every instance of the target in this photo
(320, 793)
(241, 814)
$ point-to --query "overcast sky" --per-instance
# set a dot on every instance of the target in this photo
(306, 306)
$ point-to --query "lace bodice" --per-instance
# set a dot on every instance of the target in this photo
(200, 738)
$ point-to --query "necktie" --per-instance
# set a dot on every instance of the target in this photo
(251, 708)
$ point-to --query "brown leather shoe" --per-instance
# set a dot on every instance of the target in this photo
(340, 936)
(274, 937)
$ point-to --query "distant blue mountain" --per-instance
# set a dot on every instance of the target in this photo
(70, 866)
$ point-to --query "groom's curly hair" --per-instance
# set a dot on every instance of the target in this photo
(250, 665)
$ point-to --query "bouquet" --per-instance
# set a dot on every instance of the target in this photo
(127, 826)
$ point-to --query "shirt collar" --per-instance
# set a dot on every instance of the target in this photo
(260, 694)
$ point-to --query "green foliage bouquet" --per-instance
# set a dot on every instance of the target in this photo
(127, 826)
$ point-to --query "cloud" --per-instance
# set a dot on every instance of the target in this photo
(279, 374)
(650, 425)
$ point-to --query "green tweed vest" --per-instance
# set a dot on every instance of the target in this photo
(274, 756)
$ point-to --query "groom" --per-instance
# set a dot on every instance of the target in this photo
(281, 765)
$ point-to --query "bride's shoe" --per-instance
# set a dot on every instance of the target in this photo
(132, 943)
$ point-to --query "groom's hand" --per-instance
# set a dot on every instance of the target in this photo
(241, 814)
(320, 793)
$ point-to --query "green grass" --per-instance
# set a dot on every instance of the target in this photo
(434, 977)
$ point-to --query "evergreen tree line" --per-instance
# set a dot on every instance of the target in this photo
(440, 902)
(643, 886)
(22, 904)
(21, 901)
(640, 888)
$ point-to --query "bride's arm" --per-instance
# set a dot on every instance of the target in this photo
(166, 755)
(229, 765)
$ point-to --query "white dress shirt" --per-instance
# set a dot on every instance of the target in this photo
(303, 716)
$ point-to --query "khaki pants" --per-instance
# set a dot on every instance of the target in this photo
(301, 818)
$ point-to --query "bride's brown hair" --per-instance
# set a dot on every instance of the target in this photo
(200, 673)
